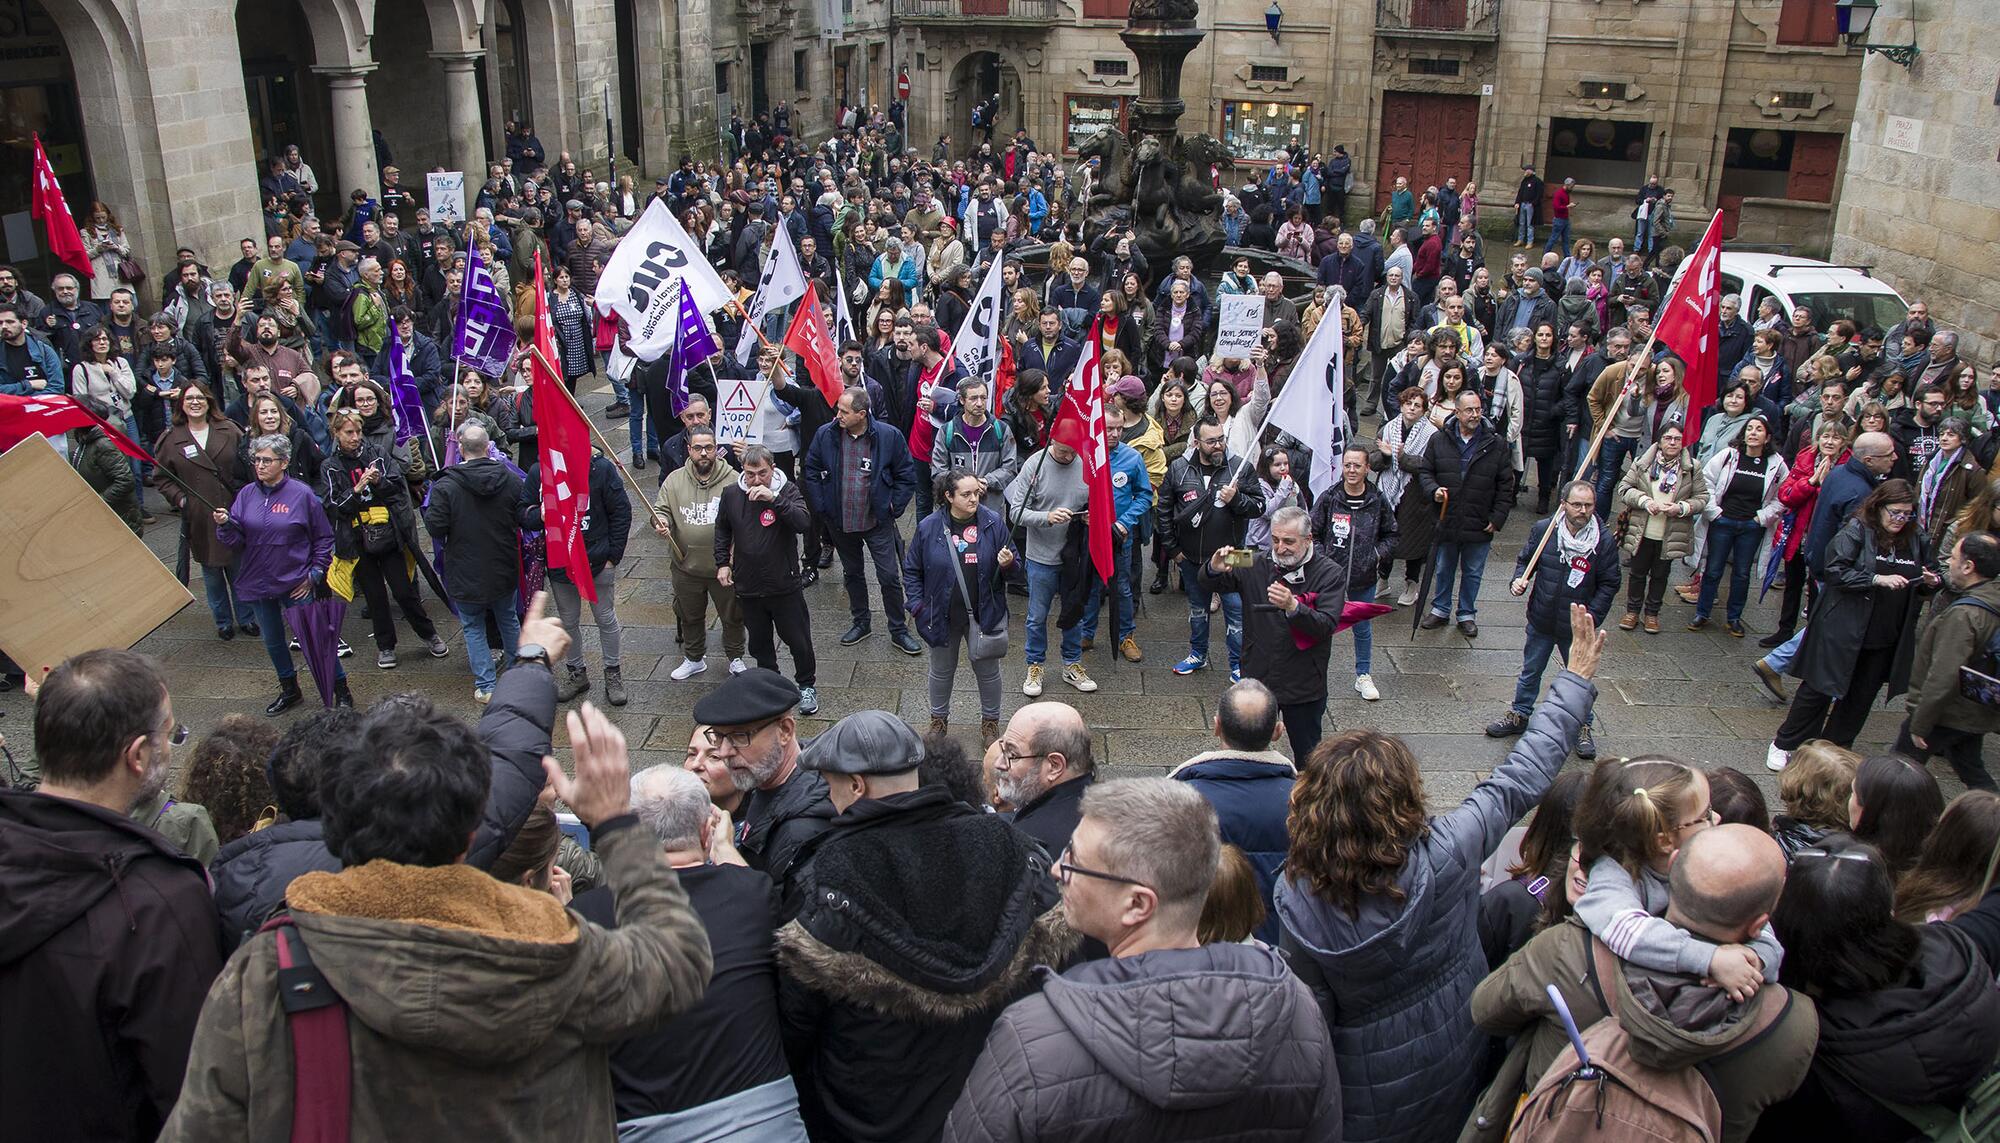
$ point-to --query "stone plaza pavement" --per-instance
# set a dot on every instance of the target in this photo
(1689, 694)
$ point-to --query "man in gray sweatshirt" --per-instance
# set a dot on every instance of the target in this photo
(1046, 498)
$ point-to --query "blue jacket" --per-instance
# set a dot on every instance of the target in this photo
(895, 476)
(1845, 487)
(1252, 794)
(931, 563)
(1131, 491)
(55, 379)
(1777, 379)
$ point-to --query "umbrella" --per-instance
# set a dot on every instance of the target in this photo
(1777, 559)
(316, 625)
(1430, 565)
(1352, 613)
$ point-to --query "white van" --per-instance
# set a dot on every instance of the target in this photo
(1829, 291)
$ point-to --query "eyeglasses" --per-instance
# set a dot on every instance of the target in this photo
(1897, 513)
(264, 460)
(1065, 871)
(1010, 756)
(178, 733)
(1708, 817)
(738, 739)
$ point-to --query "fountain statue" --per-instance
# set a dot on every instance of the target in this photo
(1156, 184)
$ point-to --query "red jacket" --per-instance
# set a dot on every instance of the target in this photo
(1559, 203)
(1799, 494)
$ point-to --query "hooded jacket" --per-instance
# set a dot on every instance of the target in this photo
(1251, 791)
(691, 502)
(1211, 1043)
(474, 1008)
(1957, 635)
(759, 540)
(109, 474)
(108, 943)
(921, 919)
(345, 504)
(474, 516)
(1395, 979)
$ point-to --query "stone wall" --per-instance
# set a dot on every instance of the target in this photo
(1921, 199)
(406, 98)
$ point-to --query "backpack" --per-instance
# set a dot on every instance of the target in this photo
(1984, 665)
(322, 1072)
(1596, 1091)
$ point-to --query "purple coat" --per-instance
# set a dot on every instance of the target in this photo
(283, 535)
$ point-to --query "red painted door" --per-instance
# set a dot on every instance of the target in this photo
(1731, 206)
(1815, 157)
(1437, 14)
(1427, 138)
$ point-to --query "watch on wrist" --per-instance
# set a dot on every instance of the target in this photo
(535, 652)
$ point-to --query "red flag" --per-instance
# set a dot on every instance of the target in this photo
(808, 338)
(23, 417)
(1003, 373)
(47, 205)
(1691, 322)
(1079, 424)
(562, 451)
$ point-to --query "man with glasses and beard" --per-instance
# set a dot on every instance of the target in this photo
(110, 938)
(753, 725)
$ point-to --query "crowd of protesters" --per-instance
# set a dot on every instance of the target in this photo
(872, 935)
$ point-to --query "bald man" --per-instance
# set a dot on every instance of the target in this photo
(1725, 882)
(1044, 767)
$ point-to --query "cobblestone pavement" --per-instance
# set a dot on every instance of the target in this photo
(1686, 693)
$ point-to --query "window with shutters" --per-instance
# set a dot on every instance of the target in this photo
(1106, 9)
(1808, 23)
(1110, 67)
(1421, 66)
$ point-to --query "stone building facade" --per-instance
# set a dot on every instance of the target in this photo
(1921, 200)
(1738, 104)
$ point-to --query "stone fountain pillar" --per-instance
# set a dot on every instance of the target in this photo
(1160, 44)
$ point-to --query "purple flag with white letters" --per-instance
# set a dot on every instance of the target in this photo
(693, 345)
(403, 397)
(484, 339)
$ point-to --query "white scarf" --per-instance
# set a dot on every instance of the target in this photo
(1582, 545)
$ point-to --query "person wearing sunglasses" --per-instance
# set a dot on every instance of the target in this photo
(918, 918)
(1162, 1006)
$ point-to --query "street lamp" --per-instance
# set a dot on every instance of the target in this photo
(1854, 18)
(1273, 16)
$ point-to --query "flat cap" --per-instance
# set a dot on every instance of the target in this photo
(756, 695)
(345, 247)
(865, 742)
(573, 204)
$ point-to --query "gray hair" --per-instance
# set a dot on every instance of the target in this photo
(672, 803)
(1162, 834)
(1367, 226)
(276, 444)
(1292, 516)
(970, 383)
(1733, 300)
(367, 262)
(757, 454)
(1945, 337)
(473, 439)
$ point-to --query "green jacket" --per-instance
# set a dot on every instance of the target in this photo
(1957, 635)
(184, 824)
(109, 474)
(371, 317)
(690, 505)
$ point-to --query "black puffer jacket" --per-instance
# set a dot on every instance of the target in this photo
(606, 527)
(923, 918)
(1481, 487)
(1190, 521)
(1551, 592)
(1371, 532)
(251, 874)
(1544, 381)
(474, 514)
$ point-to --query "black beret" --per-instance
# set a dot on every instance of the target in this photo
(865, 742)
(756, 695)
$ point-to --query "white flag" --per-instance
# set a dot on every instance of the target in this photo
(1313, 404)
(633, 284)
(782, 284)
(976, 345)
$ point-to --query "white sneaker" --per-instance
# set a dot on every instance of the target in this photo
(1775, 760)
(738, 666)
(1409, 594)
(688, 669)
(1074, 675)
(1032, 685)
(1365, 687)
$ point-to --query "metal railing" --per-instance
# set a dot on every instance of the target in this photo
(989, 11)
(1455, 19)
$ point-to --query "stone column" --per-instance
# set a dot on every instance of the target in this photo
(461, 103)
(353, 130)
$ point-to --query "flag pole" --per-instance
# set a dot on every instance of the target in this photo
(610, 453)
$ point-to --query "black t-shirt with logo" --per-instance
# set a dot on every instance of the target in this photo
(1889, 605)
(22, 367)
(1340, 526)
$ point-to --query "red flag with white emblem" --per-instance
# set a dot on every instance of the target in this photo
(1691, 322)
(52, 416)
(1079, 424)
(48, 206)
(563, 453)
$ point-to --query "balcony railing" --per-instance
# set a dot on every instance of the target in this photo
(1438, 19)
(1037, 13)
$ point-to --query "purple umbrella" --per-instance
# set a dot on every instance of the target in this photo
(316, 625)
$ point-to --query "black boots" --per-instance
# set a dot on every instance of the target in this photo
(289, 696)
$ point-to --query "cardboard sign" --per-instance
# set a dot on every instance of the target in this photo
(76, 578)
(737, 421)
(1241, 322)
(447, 196)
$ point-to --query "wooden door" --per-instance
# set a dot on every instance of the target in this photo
(1426, 137)
(1437, 14)
(1815, 158)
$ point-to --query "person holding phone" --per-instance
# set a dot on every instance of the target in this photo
(1206, 505)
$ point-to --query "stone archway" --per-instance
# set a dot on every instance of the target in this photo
(977, 75)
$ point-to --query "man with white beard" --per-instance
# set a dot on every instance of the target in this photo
(752, 721)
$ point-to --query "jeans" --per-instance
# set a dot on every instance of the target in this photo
(1468, 563)
(1559, 236)
(220, 584)
(620, 395)
(1732, 542)
(1364, 631)
(1232, 619)
(1642, 236)
(604, 613)
(1535, 651)
(477, 653)
(1961, 748)
(1610, 466)
(1123, 605)
(1042, 586)
(1303, 721)
(1524, 223)
(1781, 659)
(885, 550)
(270, 615)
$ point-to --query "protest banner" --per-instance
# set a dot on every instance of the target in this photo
(737, 421)
(1241, 321)
(445, 191)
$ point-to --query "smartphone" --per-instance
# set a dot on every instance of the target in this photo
(1239, 558)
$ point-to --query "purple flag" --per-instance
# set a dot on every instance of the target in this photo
(693, 344)
(403, 397)
(484, 340)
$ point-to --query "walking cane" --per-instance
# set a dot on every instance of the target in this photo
(1430, 568)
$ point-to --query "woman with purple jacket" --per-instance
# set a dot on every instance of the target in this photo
(286, 545)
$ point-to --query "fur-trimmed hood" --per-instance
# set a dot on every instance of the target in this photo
(852, 978)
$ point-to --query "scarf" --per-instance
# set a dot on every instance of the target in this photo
(1582, 545)
(1666, 475)
(1932, 479)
